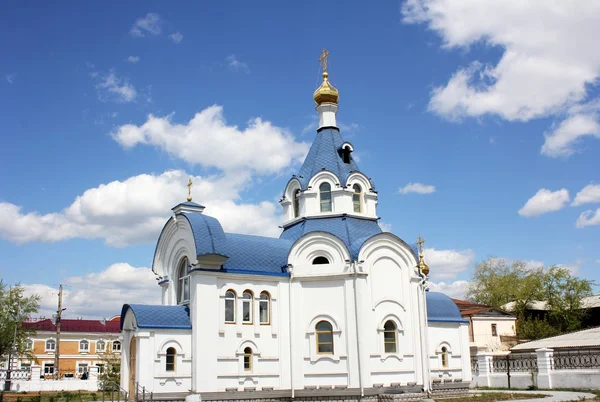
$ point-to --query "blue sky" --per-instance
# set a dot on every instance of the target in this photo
(492, 109)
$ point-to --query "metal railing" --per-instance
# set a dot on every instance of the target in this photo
(514, 363)
(110, 390)
(575, 360)
(20, 374)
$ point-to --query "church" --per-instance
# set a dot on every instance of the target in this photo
(334, 306)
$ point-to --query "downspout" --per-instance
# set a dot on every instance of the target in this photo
(360, 382)
(290, 330)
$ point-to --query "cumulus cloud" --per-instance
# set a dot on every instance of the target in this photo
(99, 295)
(150, 25)
(208, 141)
(176, 37)
(235, 65)
(111, 88)
(418, 188)
(447, 263)
(588, 218)
(456, 289)
(545, 201)
(10, 78)
(386, 227)
(589, 194)
(540, 72)
(133, 211)
(133, 59)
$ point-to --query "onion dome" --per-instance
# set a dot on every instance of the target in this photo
(326, 93)
(424, 268)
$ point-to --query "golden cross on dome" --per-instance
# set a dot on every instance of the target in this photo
(420, 242)
(189, 186)
(323, 59)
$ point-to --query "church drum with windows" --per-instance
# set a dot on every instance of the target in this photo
(334, 305)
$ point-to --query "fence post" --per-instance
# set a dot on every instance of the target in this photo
(484, 362)
(544, 362)
(508, 370)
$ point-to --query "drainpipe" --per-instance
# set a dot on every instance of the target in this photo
(290, 270)
(360, 382)
(426, 368)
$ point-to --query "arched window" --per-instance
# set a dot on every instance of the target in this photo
(100, 346)
(50, 345)
(325, 197)
(324, 338)
(247, 307)
(183, 291)
(444, 356)
(28, 344)
(230, 299)
(248, 359)
(389, 337)
(116, 346)
(171, 355)
(264, 308)
(84, 346)
(296, 202)
(320, 260)
(356, 198)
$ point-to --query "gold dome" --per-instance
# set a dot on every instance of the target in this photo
(326, 93)
(424, 268)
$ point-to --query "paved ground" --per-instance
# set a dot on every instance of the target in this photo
(554, 396)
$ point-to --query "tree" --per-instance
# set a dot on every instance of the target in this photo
(110, 377)
(15, 308)
(496, 282)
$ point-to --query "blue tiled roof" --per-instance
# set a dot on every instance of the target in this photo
(441, 308)
(166, 317)
(256, 254)
(352, 231)
(324, 154)
(208, 234)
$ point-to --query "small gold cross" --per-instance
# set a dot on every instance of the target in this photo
(323, 59)
(189, 186)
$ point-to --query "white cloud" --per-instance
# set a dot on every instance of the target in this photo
(150, 25)
(99, 295)
(598, 261)
(208, 141)
(235, 65)
(445, 264)
(562, 139)
(133, 59)
(589, 194)
(176, 37)
(115, 89)
(134, 211)
(418, 188)
(545, 201)
(540, 72)
(386, 227)
(10, 78)
(456, 289)
(573, 268)
(588, 218)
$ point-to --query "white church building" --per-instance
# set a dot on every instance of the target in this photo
(333, 306)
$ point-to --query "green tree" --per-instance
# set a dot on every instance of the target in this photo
(15, 308)
(497, 282)
(110, 378)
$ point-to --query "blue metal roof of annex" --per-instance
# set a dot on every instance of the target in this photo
(326, 154)
(163, 317)
(441, 308)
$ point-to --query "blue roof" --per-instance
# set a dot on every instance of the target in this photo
(352, 231)
(165, 317)
(325, 154)
(208, 234)
(441, 308)
(256, 254)
(189, 204)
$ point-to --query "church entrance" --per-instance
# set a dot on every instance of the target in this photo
(132, 361)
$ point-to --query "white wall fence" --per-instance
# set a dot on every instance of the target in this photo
(544, 369)
(30, 381)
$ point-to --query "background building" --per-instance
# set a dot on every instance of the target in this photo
(83, 343)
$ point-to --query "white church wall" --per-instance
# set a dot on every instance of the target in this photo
(454, 338)
(179, 380)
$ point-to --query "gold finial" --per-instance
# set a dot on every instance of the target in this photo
(424, 268)
(189, 186)
(326, 93)
(323, 60)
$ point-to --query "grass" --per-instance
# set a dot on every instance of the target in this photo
(491, 397)
(60, 396)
